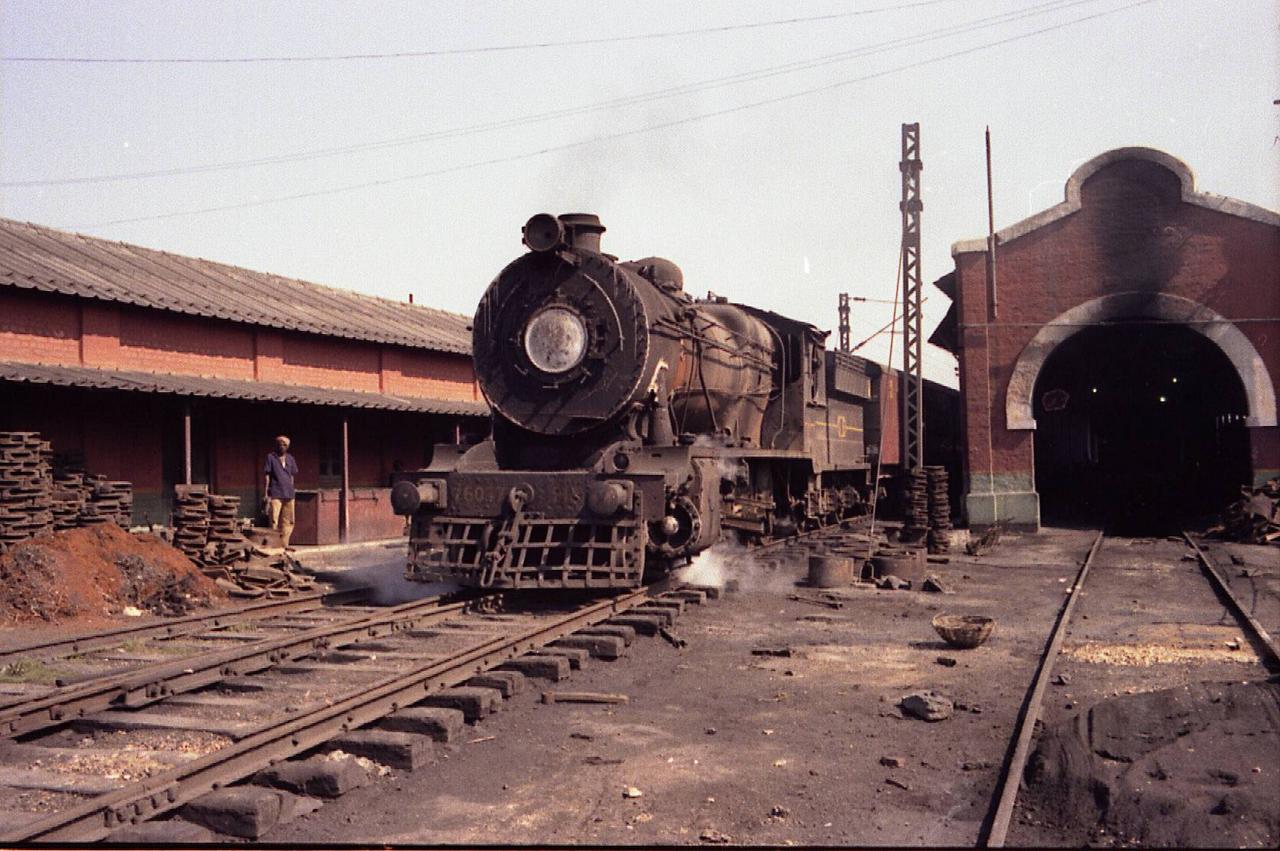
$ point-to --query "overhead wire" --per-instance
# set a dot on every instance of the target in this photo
(974, 25)
(622, 134)
(462, 51)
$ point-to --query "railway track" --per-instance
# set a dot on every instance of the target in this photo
(255, 705)
(1005, 800)
(180, 627)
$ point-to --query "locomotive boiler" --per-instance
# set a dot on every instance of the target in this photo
(632, 425)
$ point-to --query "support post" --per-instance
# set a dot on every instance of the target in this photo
(912, 322)
(344, 499)
(991, 237)
(844, 322)
(186, 443)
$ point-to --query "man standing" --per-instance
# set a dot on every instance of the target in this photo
(278, 502)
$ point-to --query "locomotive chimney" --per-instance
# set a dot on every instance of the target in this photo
(583, 230)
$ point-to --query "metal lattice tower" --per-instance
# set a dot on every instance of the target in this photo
(844, 322)
(912, 332)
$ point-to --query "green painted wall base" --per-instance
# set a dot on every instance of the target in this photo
(1006, 498)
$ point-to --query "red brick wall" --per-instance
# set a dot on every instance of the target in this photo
(54, 329)
(38, 329)
(322, 362)
(156, 342)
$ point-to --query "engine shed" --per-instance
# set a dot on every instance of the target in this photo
(1119, 365)
(159, 369)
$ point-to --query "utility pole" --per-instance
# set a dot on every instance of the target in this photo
(912, 331)
(844, 322)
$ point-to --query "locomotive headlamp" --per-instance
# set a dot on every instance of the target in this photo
(407, 497)
(543, 232)
(555, 340)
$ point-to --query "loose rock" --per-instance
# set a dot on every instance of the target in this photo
(927, 706)
(933, 585)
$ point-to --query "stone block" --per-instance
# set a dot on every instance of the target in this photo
(599, 646)
(626, 633)
(393, 749)
(319, 776)
(475, 703)
(507, 683)
(244, 811)
(438, 723)
(642, 624)
(539, 666)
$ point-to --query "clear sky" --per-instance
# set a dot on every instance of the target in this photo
(784, 199)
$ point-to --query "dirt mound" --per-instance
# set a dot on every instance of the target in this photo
(1193, 766)
(96, 572)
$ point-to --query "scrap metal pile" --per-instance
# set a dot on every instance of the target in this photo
(208, 530)
(38, 494)
(25, 486)
(916, 510)
(939, 509)
(1254, 518)
(927, 513)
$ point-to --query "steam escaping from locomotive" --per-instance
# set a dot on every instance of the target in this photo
(633, 425)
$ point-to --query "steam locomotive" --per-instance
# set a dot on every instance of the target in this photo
(633, 426)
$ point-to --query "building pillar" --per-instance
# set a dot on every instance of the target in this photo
(344, 498)
(186, 443)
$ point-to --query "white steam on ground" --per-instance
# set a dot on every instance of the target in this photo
(730, 562)
(386, 579)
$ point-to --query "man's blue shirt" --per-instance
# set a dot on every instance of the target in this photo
(281, 470)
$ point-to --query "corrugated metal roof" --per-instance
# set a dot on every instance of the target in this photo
(41, 258)
(219, 388)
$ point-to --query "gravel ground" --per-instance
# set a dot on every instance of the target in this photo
(725, 744)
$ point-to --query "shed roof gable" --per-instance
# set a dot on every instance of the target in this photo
(1073, 197)
(42, 258)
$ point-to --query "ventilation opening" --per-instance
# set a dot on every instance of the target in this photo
(1139, 428)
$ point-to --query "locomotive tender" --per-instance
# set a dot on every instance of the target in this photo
(633, 425)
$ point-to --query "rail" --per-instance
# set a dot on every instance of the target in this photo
(1261, 637)
(186, 625)
(95, 819)
(1012, 776)
(139, 687)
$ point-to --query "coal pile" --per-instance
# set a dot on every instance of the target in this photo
(26, 486)
(207, 529)
(1186, 767)
(939, 509)
(1252, 519)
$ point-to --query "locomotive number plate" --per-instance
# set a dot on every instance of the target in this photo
(485, 494)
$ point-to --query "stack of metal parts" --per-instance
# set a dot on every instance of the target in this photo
(109, 501)
(939, 509)
(70, 495)
(207, 529)
(26, 486)
(916, 510)
(226, 543)
(191, 520)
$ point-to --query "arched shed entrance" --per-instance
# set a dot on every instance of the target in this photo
(1119, 366)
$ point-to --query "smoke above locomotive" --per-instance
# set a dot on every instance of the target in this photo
(633, 425)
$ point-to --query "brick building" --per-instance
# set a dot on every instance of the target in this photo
(159, 369)
(1121, 360)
